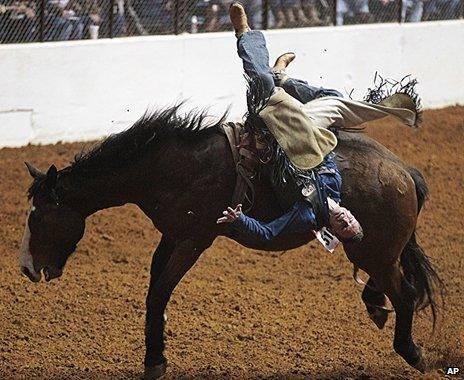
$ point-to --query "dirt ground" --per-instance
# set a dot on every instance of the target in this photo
(238, 314)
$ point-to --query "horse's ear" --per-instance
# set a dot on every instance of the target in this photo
(52, 174)
(33, 171)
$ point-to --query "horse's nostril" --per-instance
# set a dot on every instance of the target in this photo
(25, 271)
(46, 274)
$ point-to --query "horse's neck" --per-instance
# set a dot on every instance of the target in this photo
(92, 192)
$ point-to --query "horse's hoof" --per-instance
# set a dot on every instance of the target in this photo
(156, 372)
(379, 317)
(421, 365)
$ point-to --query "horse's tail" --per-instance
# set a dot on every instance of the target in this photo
(422, 190)
(416, 265)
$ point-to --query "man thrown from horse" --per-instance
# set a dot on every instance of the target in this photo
(297, 121)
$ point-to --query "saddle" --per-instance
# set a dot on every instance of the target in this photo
(247, 163)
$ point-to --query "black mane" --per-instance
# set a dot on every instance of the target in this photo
(119, 149)
(128, 146)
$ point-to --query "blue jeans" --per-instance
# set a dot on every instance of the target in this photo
(251, 48)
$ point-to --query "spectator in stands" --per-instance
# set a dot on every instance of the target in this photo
(254, 10)
(311, 10)
(155, 16)
(385, 10)
(353, 12)
(289, 13)
(73, 18)
(217, 16)
(412, 10)
(441, 9)
(118, 18)
(18, 22)
(62, 21)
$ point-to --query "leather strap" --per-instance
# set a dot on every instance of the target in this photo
(243, 182)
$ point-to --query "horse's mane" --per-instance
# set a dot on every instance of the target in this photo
(153, 128)
(125, 148)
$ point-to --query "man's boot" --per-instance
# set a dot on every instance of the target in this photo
(280, 76)
(283, 61)
(239, 19)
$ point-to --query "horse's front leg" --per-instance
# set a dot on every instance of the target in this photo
(170, 263)
(159, 260)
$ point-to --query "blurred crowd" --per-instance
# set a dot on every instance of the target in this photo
(62, 19)
(20, 20)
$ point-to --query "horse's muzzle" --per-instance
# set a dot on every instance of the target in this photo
(33, 276)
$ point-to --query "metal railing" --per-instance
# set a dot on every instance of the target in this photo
(58, 20)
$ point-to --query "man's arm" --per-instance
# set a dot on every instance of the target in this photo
(259, 230)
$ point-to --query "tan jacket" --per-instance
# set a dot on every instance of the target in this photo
(301, 129)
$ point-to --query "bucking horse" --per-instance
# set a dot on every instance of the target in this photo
(179, 170)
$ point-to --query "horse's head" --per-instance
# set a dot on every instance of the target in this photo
(52, 230)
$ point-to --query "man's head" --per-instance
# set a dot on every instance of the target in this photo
(345, 226)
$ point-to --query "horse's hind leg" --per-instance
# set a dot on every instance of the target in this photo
(402, 295)
(375, 304)
(178, 259)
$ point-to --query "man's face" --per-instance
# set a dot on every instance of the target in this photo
(344, 224)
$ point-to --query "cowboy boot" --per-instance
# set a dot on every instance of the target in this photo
(281, 63)
(238, 19)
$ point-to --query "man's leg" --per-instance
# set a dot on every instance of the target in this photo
(417, 9)
(297, 88)
(304, 92)
(251, 48)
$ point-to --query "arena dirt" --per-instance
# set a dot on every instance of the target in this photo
(238, 314)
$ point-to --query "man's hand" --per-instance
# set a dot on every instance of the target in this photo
(230, 214)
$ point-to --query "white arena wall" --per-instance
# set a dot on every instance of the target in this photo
(82, 90)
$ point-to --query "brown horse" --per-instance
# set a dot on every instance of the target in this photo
(180, 172)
